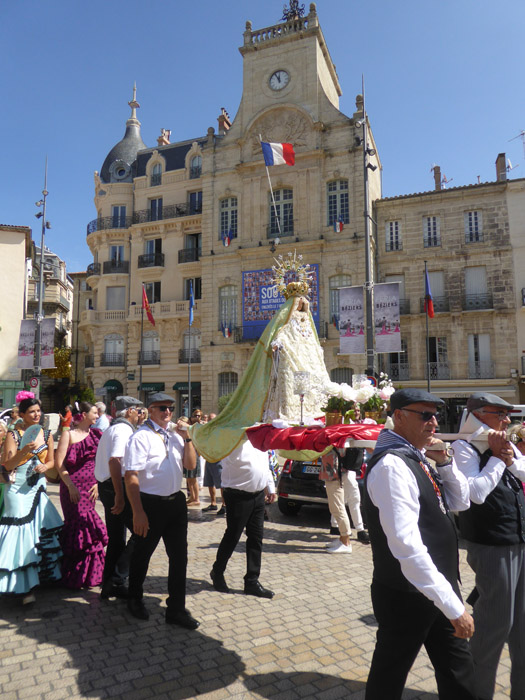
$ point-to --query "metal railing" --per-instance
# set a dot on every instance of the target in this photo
(482, 369)
(475, 302)
(398, 371)
(151, 260)
(108, 222)
(149, 357)
(156, 180)
(89, 361)
(391, 245)
(287, 229)
(115, 266)
(185, 354)
(438, 370)
(195, 172)
(93, 269)
(112, 359)
(404, 307)
(189, 255)
(441, 304)
(432, 241)
(169, 211)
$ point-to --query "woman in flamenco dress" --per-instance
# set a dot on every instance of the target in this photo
(84, 534)
(29, 546)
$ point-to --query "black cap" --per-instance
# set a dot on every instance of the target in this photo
(122, 403)
(481, 398)
(404, 397)
(158, 397)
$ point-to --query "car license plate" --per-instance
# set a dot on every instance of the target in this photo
(311, 469)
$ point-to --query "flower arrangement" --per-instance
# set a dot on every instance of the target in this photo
(341, 398)
(24, 395)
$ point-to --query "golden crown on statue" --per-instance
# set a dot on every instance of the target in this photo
(291, 275)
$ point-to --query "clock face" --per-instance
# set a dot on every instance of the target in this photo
(279, 80)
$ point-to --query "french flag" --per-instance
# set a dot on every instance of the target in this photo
(338, 226)
(227, 238)
(278, 153)
(429, 303)
(226, 331)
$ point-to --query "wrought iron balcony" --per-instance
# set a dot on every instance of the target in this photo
(398, 371)
(438, 370)
(149, 357)
(116, 267)
(189, 255)
(89, 361)
(287, 229)
(93, 269)
(432, 241)
(185, 355)
(151, 260)
(170, 211)
(112, 359)
(404, 307)
(108, 222)
(483, 369)
(391, 245)
(156, 180)
(477, 302)
(195, 172)
(441, 304)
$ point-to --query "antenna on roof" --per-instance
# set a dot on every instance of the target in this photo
(510, 166)
(521, 136)
(445, 180)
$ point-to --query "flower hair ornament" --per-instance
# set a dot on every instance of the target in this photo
(24, 395)
(291, 276)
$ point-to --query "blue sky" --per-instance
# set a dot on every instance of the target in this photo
(444, 84)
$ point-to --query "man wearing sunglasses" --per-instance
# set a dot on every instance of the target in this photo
(494, 527)
(153, 464)
(415, 591)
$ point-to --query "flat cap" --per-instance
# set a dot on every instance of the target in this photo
(122, 403)
(481, 398)
(159, 396)
(404, 397)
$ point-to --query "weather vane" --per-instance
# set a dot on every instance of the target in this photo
(294, 12)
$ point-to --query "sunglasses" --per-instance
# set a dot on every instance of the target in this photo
(425, 415)
(501, 414)
(165, 408)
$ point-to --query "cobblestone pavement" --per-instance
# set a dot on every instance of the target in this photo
(314, 639)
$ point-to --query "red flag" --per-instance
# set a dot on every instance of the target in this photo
(146, 306)
(429, 303)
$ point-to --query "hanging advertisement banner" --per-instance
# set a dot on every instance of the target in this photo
(351, 321)
(387, 322)
(47, 343)
(26, 345)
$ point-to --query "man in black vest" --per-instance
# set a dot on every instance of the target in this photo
(494, 528)
(415, 592)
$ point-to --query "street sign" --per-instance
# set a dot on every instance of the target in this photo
(33, 382)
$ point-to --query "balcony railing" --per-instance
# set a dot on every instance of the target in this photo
(149, 357)
(151, 260)
(93, 269)
(476, 302)
(432, 241)
(112, 359)
(107, 222)
(116, 267)
(178, 309)
(186, 354)
(399, 371)
(441, 304)
(156, 180)
(438, 370)
(189, 255)
(89, 361)
(287, 229)
(404, 307)
(170, 211)
(483, 369)
(195, 172)
(392, 244)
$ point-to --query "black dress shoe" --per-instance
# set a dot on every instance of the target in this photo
(138, 609)
(219, 582)
(363, 537)
(212, 506)
(258, 590)
(222, 511)
(182, 618)
(111, 591)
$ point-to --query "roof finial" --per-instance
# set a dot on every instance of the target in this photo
(134, 104)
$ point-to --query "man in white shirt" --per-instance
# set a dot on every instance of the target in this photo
(247, 483)
(102, 422)
(119, 519)
(494, 528)
(153, 464)
(415, 592)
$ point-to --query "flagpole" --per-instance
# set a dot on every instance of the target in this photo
(427, 338)
(141, 393)
(190, 321)
(271, 192)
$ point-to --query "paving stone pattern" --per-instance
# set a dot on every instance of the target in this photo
(314, 639)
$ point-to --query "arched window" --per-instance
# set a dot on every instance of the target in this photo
(341, 375)
(284, 208)
(227, 308)
(334, 283)
(337, 202)
(156, 175)
(227, 382)
(195, 167)
(228, 217)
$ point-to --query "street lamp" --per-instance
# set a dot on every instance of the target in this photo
(40, 312)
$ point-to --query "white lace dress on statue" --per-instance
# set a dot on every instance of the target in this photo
(296, 349)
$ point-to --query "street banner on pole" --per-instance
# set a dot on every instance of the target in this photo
(351, 321)
(47, 328)
(386, 317)
(26, 345)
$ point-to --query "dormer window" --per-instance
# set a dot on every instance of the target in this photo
(195, 167)
(156, 175)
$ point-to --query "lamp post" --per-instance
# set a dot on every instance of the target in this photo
(40, 312)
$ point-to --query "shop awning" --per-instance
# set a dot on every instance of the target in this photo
(152, 386)
(114, 385)
(183, 386)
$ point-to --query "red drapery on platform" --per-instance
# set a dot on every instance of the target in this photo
(266, 437)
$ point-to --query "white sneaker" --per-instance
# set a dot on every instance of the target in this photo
(338, 546)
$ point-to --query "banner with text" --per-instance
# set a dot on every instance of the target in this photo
(386, 305)
(26, 345)
(351, 320)
(47, 340)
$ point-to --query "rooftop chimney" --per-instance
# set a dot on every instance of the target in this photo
(224, 121)
(437, 177)
(164, 138)
(501, 167)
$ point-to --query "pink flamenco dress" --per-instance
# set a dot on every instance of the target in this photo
(84, 534)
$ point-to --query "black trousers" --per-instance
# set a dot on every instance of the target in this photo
(118, 552)
(406, 622)
(168, 519)
(243, 510)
